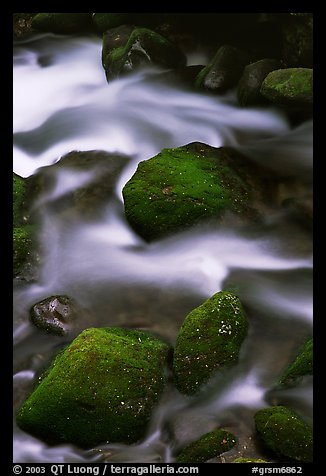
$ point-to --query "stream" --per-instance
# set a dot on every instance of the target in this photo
(62, 103)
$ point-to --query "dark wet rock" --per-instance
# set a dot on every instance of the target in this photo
(182, 186)
(144, 47)
(62, 23)
(285, 433)
(102, 388)
(224, 71)
(210, 338)
(207, 447)
(289, 87)
(253, 75)
(56, 314)
(302, 365)
(297, 36)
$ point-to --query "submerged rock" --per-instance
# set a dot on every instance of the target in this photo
(56, 314)
(180, 187)
(289, 87)
(207, 447)
(301, 366)
(284, 432)
(143, 47)
(102, 388)
(93, 175)
(210, 338)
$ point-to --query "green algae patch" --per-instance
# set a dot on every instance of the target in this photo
(101, 388)
(179, 187)
(289, 87)
(284, 432)
(210, 445)
(210, 338)
(301, 366)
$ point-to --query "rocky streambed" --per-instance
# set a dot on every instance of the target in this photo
(162, 237)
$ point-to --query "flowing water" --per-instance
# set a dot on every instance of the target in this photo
(62, 102)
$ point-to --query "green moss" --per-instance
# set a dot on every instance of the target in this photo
(181, 186)
(302, 365)
(284, 432)
(103, 387)
(291, 86)
(210, 338)
(22, 247)
(208, 446)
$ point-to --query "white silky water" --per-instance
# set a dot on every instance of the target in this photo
(62, 102)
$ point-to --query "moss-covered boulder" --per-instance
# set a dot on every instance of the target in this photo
(289, 87)
(144, 47)
(62, 23)
(248, 90)
(180, 187)
(101, 388)
(301, 366)
(224, 71)
(210, 338)
(208, 446)
(284, 432)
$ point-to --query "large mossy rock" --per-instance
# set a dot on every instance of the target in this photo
(102, 388)
(289, 87)
(210, 338)
(285, 433)
(180, 187)
(144, 47)
(301, 366)
(62, 23)
(208, 446)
